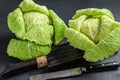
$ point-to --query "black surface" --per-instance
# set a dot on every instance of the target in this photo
(65, 9)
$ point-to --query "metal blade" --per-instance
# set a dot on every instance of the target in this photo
(57, 74)
(77, 71)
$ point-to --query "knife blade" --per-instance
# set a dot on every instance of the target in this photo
(76, 71)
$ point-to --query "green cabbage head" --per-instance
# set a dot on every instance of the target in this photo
(36, 28)
(95, 31)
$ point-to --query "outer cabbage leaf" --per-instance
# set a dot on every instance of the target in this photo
(107, 25)
(59, 27)
(25, 50)
(93, 12)
(16, 22)
(29, 5)
(105, 48)
(78, 40)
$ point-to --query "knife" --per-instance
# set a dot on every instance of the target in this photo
(76, 71)
(60, 55)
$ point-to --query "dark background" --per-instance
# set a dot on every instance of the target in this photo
(65, 9)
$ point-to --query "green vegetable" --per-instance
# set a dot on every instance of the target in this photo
(96, 32)
(59, 30)
(26, 50)
(36, 28)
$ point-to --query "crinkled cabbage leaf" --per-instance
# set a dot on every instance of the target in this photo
(26, 50)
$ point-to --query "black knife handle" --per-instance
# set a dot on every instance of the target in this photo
(101, 67)
(16, 68)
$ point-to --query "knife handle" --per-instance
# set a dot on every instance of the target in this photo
(101, 67)
(16, 68)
